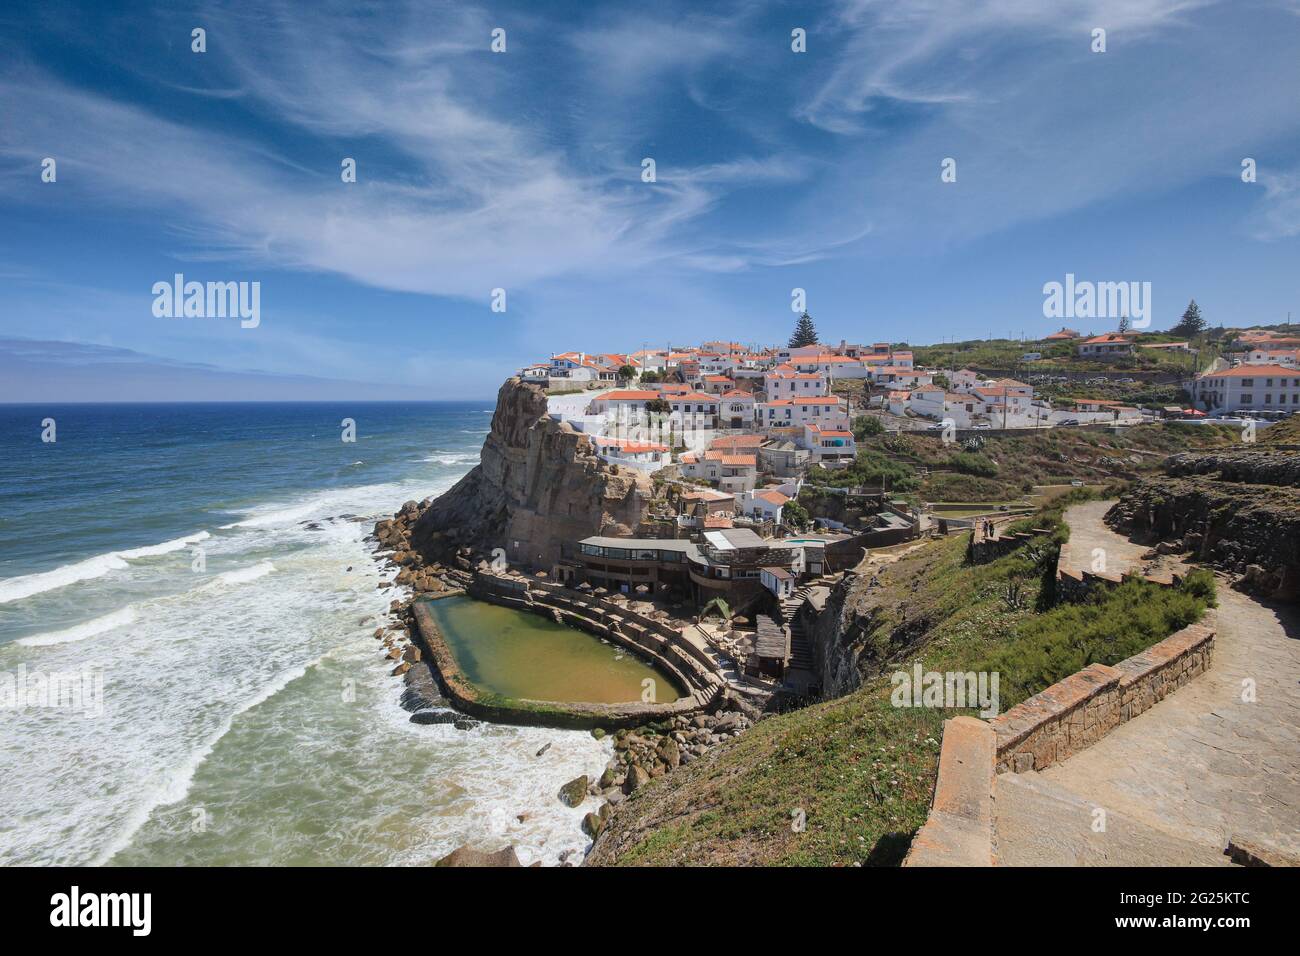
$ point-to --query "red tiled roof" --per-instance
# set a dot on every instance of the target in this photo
(737, 441)
(629, 395)
(629, 445)
(1251, 371)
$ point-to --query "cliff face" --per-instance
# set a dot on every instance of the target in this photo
(538, 484)
(1240, 512)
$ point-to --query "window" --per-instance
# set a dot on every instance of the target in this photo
(1247, 383)
(1268, 399)
(1247, 399)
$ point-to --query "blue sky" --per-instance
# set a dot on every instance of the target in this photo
(522, 170)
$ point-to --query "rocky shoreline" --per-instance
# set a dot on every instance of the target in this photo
(641, 755)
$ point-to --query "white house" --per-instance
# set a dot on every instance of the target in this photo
(784, 382)
(735, 409)
(695, 409)
(764, 505)
(627, 404)
(900, 376)
(829, 444)
(642, 455)
(833, 366)
(786, 355)
(1249, 388)
(734, 472)
(777, 580)
(789, 412)
(1268, 356)
(1106, 346)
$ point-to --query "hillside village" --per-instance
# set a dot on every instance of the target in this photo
(729, 435)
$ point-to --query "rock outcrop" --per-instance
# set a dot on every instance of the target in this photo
(538, 484)
(1238, 511)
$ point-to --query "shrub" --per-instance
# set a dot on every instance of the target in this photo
(865, 426)
(973, 463)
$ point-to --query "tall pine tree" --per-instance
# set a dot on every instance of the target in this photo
(805, 333)
(1191, 323)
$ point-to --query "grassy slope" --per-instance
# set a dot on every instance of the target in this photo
(860, 769)
(1019, 462)
(1285, 432)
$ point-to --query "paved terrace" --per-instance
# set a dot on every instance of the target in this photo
(1198, 768)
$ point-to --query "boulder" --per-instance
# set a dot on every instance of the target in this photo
(636, 778)
(573, 792)
(468, 856)
(592, 824)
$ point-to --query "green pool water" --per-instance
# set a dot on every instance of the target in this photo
(524, 655)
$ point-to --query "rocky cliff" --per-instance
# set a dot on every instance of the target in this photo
(1238, 511)
(538, 484)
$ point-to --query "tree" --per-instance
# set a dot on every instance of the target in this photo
(805, 333)
(865, 426)
(1191, 324)
(627, 372)
(717, 604)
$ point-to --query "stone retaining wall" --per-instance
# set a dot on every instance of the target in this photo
(1044, 730)
(1075, 585)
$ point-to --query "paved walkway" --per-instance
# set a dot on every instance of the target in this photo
(1088, 532)
(1199, 767)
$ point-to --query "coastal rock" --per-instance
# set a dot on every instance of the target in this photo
(468, 856)
(592, 824)
(636, 778)
(668, 752)
(434, 717)
(573, 792)
(538, 485)
(421, 690)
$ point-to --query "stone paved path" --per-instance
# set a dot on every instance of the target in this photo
(1202, 765)
(1088, 532)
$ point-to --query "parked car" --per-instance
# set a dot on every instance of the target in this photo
(1069, 421)
(981, 425)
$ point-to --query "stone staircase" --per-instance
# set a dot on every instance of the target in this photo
(801, 652)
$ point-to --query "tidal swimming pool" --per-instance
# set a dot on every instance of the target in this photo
(526, 656)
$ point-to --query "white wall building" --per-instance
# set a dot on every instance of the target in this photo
(792, 412)
(1249, 388)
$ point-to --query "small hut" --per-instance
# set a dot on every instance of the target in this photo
(771, 648)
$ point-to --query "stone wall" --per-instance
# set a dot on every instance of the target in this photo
(959, 830)
(1044, 730)
(982, 550)
(1076, 712)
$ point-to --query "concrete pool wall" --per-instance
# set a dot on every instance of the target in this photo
(664, 647)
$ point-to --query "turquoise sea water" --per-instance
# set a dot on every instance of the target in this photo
(206, 565)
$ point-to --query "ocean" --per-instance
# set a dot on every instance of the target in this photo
(204, 566)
